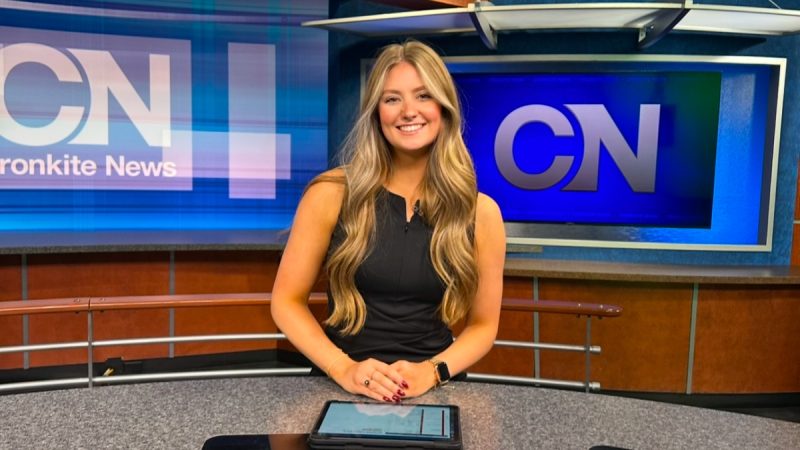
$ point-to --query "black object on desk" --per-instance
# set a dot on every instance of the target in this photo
(258, 442)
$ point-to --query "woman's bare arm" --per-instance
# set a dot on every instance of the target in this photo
(300, 265)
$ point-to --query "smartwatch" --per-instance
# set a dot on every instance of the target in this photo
(441, 371)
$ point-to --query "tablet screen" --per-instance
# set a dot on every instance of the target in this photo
(390, 422)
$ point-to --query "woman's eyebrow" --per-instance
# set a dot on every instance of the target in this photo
(395, 91)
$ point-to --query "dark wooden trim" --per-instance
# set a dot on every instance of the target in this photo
(188, 301)
(53, 305)
(18, 307)
(561, 307)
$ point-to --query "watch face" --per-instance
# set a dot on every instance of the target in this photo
(444, 372)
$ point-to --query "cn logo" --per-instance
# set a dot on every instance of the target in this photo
(597, 126)
(104, 77)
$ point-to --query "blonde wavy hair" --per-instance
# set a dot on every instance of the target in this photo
(448, 193)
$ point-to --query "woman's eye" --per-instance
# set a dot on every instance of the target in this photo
(390, 100)
(425, 96)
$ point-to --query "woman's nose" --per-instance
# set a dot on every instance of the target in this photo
(409, 110)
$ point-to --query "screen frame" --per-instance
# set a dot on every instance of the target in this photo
(618, 236)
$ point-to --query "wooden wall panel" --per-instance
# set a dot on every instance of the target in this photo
(10, 277)
(126, 324)
(741, 330)
(10, 327)
(97, 275)
(514, 325)
(645, 349)
(747, 340)
(11, 334)
(208, 272)
(217, 320)
(51, 328)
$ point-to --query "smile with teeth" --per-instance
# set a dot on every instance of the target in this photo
(410, 128)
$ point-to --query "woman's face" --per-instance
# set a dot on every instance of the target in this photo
(410, 117)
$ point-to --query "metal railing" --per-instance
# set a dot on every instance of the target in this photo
(148, 302)
(588, 349)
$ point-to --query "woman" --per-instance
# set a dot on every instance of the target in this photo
(409, 245)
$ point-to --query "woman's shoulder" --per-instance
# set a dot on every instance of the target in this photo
(324, 194)
(335, 176)
(487, 208)
(490, 234)
(328, 183)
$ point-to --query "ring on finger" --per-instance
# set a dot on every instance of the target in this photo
(366, 382)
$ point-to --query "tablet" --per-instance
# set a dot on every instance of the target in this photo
(344, 424)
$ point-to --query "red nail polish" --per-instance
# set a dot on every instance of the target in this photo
(395, 398)
(387, 399)
(404, 384)
(401, 393)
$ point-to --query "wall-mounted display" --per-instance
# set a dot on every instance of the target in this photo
(158, 124)
(673, 152)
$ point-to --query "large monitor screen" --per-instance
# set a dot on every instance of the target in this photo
(674, 152)
(158, 124)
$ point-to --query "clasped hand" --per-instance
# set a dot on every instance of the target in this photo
(386, 382)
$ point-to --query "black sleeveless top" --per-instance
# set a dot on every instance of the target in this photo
(400, 287)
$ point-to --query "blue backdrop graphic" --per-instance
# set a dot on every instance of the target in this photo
(246, 95)
(681, 174)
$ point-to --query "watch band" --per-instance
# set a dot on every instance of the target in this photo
(440, 371)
